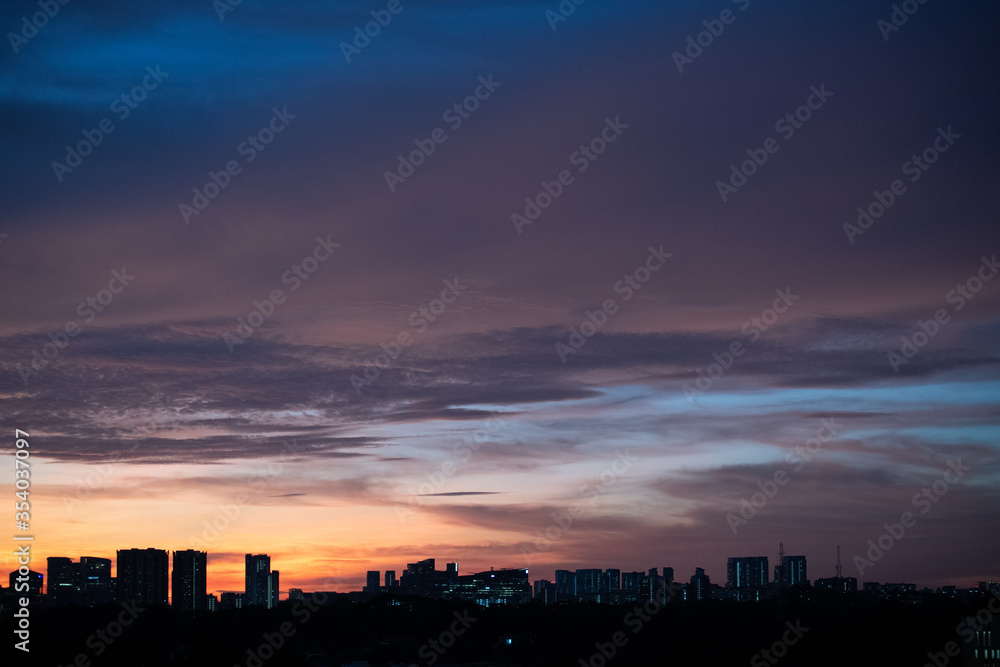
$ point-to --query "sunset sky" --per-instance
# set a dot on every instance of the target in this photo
(498, 415)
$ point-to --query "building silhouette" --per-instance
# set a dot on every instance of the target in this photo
(421, 578)
(700, 587)
(142, 576)
(262, 585)
(64, 581)
(631, 586)
(544, 590)
(96, 582)
(565, 585)
(588, 585)
(791, 572)
(373, 585)
(746, 577)
(27, 585)
(189, 588)
(496, 587)
(232, 600)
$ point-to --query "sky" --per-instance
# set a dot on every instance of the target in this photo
(505, 284)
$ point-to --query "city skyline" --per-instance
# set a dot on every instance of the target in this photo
(347, 584)
(543, 285)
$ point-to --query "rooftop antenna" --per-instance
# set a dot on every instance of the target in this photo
(838, 563)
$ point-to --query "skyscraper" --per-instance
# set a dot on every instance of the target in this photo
(700, 586)
(793, 570)
(189, 591)
(390, 580)
(142, 576)
(373, 585)
(261, 582)
(565, 585)
(273, 589)
(588, 584)
(747, 576)
(631, 586)
(611, 582)
(257, 569)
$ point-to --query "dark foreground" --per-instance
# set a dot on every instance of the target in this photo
(426, 632)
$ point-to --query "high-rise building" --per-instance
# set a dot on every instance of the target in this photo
(421, 578)
(793, 571)
(95, 580)
(668, 575)
(64, 581)
(545, 591)
(390, 580)
(631, 586)
(261, 582)
(588, 584)
(451, 569)
(565, 585)
(747, 577)
(296, 594)
(142, 576)
(373, 586)
(700, 587)
(611, 582)
(273, 589)
(189, 591)
(651, 586)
